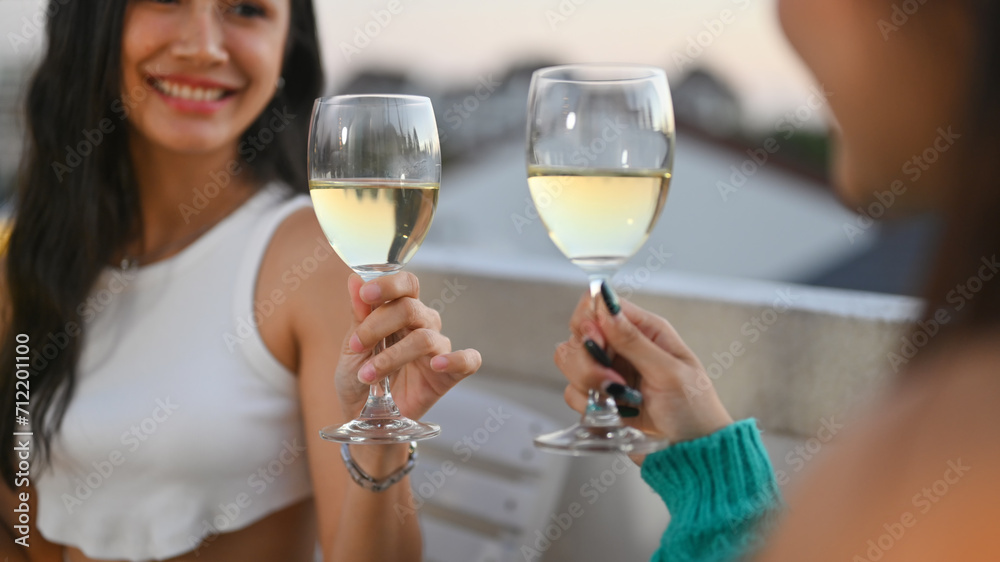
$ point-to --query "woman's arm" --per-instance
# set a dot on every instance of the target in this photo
(353, 523)
(721, 493)
(313, 333)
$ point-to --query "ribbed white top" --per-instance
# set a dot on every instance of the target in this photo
(183, 424)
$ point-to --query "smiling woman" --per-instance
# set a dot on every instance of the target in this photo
(172, 226)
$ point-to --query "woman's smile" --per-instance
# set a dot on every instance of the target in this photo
(192, 95)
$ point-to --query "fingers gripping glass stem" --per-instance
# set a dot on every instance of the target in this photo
(379, 404)
(601, 409)
(380, 420)
(600, 429)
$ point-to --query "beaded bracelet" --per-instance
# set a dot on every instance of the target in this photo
(369, 483)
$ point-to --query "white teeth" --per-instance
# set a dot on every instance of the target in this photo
(187, 92)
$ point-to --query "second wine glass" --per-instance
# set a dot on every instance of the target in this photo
(375, 169)
(600, 158)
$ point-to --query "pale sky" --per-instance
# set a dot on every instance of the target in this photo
(446, 42)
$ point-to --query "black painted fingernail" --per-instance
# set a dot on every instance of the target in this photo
(597, 353)
(610, 299)
(615, 389)
(622, 393)
(628, 412)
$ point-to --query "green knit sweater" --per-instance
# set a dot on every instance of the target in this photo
(721, 494)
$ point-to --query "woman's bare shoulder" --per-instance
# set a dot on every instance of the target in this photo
(915, 478)
(299, 251)
(302, 283)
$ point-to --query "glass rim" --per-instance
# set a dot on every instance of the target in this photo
(345, 98)
(650, 72)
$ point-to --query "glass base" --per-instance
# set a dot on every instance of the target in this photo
(369, 272)
(371, 431)
(581, 440)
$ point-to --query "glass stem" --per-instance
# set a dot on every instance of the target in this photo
(379, 404)
(381, 388)
(601, 409)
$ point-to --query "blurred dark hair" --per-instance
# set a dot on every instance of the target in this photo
(972, 212)
(70, 223)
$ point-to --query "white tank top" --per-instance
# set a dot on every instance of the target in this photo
(183, 425)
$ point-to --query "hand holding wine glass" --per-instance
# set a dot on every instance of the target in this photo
(679, 401)
(421, 360)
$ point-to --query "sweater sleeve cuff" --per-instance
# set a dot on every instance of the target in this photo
(722, 477)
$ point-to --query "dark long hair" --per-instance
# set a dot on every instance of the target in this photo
(971, 242)
(77, 206)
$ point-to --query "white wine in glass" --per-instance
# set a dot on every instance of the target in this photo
(375, 169)
(600, 160)
(598, 218)
(375, 226)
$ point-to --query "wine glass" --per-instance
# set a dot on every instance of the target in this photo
(600, 156)
(375, 169)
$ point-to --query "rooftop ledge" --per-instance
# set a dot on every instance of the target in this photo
(789, 355)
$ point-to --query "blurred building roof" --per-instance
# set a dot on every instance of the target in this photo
(15, 77)
(703, 101)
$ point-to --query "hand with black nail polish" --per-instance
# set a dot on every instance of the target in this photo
(638, 358)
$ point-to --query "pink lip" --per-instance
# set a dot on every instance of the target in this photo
(191, 106)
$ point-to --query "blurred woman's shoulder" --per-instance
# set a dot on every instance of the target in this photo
(917, 477)
(954, 394)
